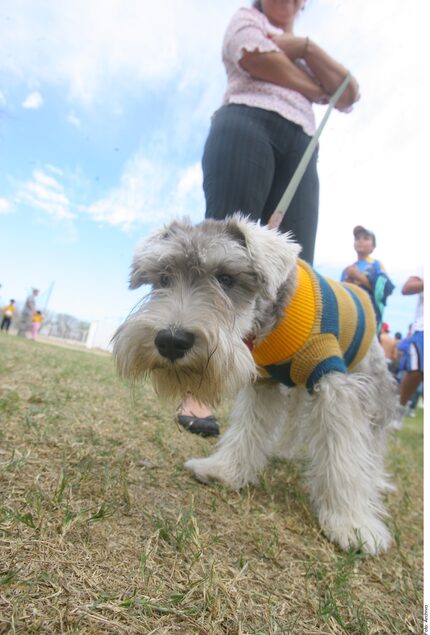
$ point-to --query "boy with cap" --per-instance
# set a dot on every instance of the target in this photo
(368, 273)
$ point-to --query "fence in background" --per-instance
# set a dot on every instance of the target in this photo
(100, 334)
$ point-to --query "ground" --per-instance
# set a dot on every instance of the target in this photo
(102, 530)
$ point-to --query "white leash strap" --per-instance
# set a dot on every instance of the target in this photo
(278, 215)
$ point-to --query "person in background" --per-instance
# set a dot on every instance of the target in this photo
(36, 323)
(27, 313)
(262, 130)
(368, 273)
(389, 345)
(414, 344)
(396, 366)
(8, 313)
(414, 401)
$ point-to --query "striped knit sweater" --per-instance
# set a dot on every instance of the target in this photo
(328, 326)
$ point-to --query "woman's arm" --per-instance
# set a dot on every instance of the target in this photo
(413, 285)
(277, 68)
(328, 72)
(331, 74)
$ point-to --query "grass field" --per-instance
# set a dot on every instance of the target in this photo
(102, 531)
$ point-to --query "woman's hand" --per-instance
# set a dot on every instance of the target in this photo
(328, 73)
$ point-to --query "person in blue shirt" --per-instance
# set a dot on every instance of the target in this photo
(368, 273)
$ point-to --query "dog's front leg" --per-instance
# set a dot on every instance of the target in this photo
(248, 443)
(345, 472)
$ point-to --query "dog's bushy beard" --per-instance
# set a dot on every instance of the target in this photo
(218, 365)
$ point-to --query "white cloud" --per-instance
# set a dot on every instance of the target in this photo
(371, 163)
(74, 120)
(371, 166)
(150, 192)
(46, 194)
(88, 45)
(54, 169)
(33, 101)
(189, 181)
(5, 206)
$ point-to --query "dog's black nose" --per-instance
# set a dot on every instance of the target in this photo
(173, 344)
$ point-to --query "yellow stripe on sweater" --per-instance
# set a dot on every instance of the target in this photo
(316, 350)
(316, 292)
(294, 329)
(347, 314)
(370, 327)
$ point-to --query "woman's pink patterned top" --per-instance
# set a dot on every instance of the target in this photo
(248, 30)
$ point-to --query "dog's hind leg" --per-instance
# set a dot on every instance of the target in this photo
(243, 451)
(382, 405)
(386, 412)
(345, 472)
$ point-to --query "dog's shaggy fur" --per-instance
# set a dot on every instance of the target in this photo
(213, 285)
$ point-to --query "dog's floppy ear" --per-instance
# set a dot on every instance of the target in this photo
(149, 251)
(274, 255)
(138, 273)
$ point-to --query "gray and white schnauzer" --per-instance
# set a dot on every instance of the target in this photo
(233, 311)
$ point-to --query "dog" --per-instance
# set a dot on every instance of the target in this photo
(220, 294)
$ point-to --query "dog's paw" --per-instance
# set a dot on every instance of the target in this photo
(202, 469)
(371, 538)
(213, 469)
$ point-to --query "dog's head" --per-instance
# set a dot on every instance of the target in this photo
(212, 285)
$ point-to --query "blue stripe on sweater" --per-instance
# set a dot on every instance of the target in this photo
(329, 308)
(281, 372)
(329, 365)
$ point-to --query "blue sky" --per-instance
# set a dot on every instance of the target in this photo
(104, 109)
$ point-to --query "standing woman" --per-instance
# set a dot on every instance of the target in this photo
(259, 135)
(262, 130)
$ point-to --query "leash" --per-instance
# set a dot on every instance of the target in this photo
(284, 203)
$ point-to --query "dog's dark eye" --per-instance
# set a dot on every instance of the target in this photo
(164, 280)
(225, 280)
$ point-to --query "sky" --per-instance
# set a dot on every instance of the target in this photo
(105, 106)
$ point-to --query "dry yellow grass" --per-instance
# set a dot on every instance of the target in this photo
(102, 531)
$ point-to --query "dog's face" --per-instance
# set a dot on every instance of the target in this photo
(212, 285)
